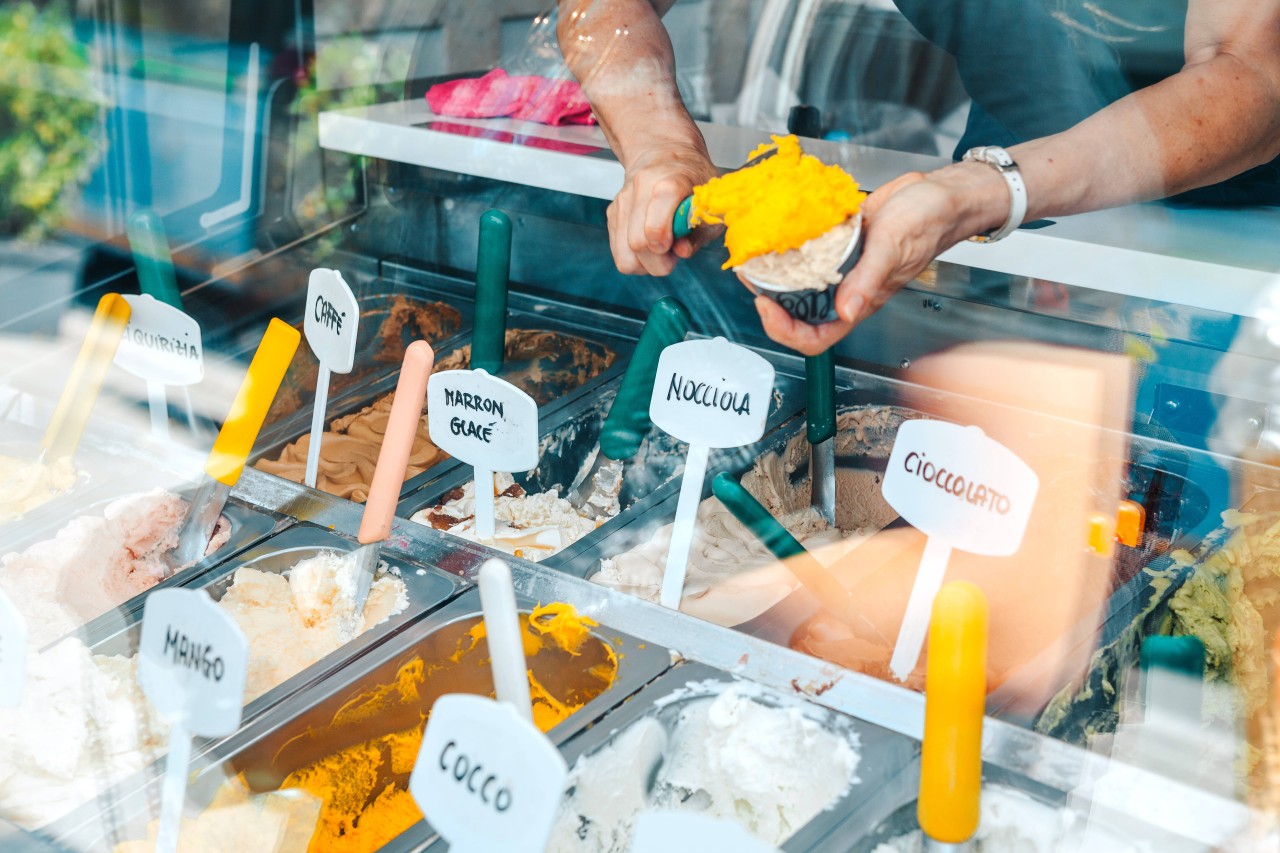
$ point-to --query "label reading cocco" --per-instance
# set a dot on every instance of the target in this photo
(486, 778)
(483, 420)
(332, 320)
(957, 484)
(192, 661)
(161, 344)
(13, 653)
(712, 393)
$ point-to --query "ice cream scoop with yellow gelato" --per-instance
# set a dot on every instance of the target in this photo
(788, 202)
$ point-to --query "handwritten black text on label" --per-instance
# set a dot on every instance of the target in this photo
(327, 315)
(474, 777)
(198, 657)
(977, 494)
(706, 394)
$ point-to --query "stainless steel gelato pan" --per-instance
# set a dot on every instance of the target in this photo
(342, 728)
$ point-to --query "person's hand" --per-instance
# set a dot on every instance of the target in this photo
(657, 180)
(906, 223)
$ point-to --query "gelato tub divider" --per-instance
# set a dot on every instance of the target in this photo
(299, 729)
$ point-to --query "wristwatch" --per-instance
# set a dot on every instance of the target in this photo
(999, 159)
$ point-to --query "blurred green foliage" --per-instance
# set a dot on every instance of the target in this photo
(47, 116)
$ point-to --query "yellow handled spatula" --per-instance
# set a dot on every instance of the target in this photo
(235, 440)
(393, 459)
(955, 699)
(62, 436)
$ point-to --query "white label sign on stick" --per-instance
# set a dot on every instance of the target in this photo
(192, 661)
(332, 320)
(690, 832)
(486, 778)
(161, 344)
(710, 394)
(331, 323)
(483, 420)
(962, 489)
(13, 653)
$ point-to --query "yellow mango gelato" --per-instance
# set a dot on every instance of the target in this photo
(357, 762)
(777, 205)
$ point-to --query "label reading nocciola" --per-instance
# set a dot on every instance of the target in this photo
(712, 393)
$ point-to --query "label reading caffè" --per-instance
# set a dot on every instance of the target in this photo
(332, 320)
(712, 393)
(483, 420)
(192, 661)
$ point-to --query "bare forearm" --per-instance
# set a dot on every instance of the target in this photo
(1203, 125)
(621, 54)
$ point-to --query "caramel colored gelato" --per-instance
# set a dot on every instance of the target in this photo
(544, 365)
(357, 759)
(404, 321)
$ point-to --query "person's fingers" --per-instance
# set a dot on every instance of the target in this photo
(636, 239)
(657, 264)
(664, 197)
(869, 275)
(784, 329)
(623, 258)
(687, 247)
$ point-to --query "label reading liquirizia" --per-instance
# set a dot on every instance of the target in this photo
(712, 393)
(332, 320)
(486, 778)
(483, 420)
(13, 653)
(192, 661)
(161, 344)
(957, 484)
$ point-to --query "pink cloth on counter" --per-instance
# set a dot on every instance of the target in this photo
(499, 95)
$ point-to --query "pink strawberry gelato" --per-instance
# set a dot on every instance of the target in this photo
(96, 562)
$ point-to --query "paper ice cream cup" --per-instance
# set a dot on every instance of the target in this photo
(814, 306)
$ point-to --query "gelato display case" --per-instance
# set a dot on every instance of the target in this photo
(1078, 421)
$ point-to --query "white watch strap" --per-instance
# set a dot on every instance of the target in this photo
(999, 159)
